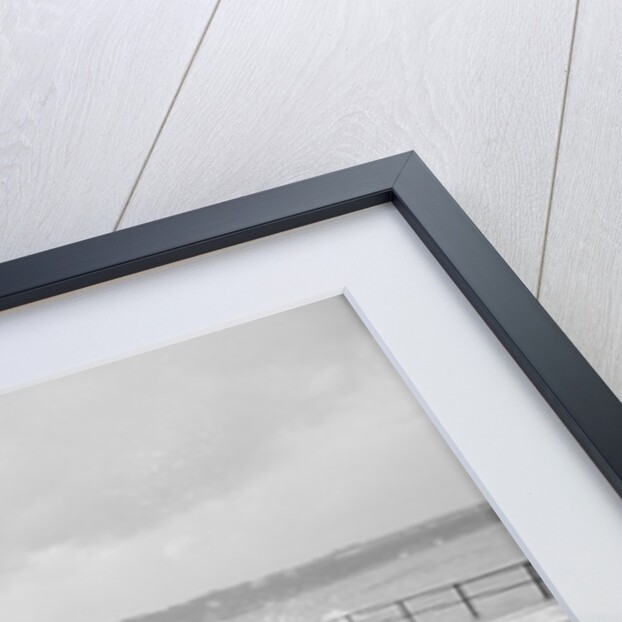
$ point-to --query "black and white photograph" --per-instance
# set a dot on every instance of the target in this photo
(276, 471)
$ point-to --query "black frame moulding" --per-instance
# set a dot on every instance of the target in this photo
(578, 395)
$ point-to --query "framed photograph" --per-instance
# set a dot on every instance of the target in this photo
(331, 401)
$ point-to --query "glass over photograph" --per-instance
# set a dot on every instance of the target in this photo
(276, 471)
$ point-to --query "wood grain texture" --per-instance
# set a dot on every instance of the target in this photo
(582, 275)
(84, 87)
(279, 92)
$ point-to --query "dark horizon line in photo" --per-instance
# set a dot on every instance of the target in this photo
(329, 568)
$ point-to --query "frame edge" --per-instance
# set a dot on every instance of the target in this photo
(153, 244)
(569, 384)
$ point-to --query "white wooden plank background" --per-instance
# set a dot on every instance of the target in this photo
(582, 276)
(281, 91)
(84, 87)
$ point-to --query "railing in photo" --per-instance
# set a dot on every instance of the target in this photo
(498, 592)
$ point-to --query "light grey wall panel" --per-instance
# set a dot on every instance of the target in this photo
(84, 87)
(582, 275)
(281, 91)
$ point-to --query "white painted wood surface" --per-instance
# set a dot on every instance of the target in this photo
(84, 87)
(281, 91)
(582, 275)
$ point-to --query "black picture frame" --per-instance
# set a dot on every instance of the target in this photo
(573, 389)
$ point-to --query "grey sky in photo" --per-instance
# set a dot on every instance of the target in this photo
(145, 482)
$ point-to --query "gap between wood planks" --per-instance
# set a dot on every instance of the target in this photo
(167, 114)
(547, 218)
